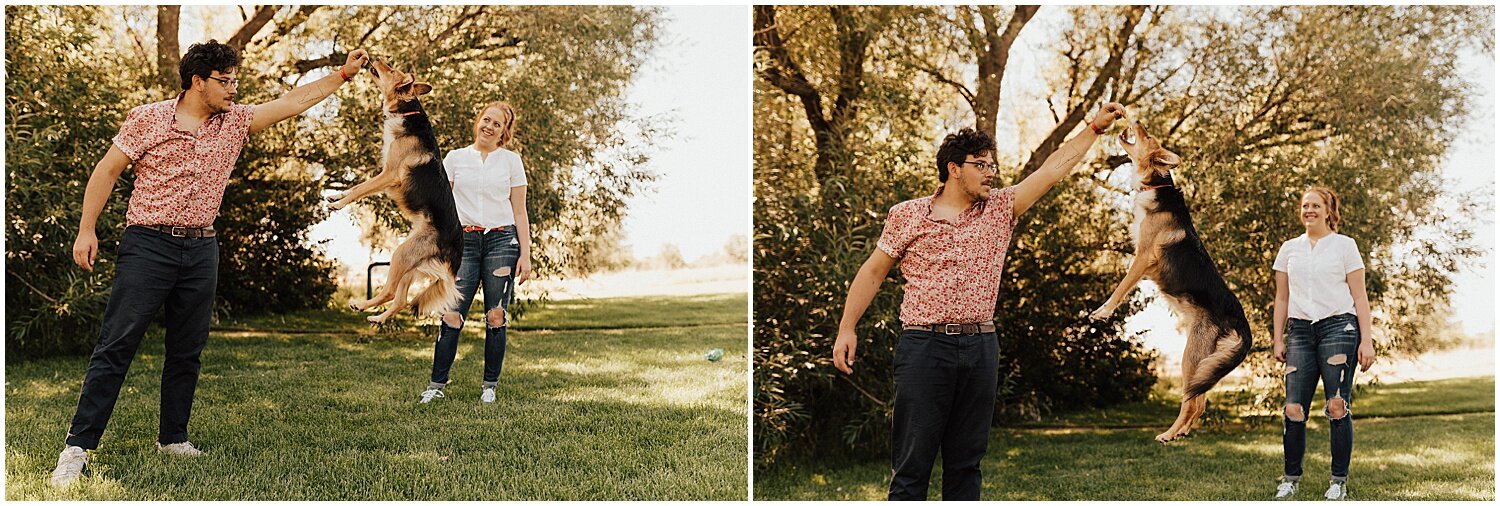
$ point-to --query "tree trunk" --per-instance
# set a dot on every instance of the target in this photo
(992, 59)
(168, 54)
(829, 131)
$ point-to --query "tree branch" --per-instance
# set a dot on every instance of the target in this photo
(247, 31)
(1095, 91)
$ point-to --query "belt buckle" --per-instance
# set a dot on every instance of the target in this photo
(178, 232)
(953, 329)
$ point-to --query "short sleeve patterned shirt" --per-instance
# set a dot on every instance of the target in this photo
(952, 268)
(180, 176)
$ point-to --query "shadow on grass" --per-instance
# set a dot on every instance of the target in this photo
(609, 414)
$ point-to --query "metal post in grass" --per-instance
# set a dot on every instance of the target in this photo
(370, 280)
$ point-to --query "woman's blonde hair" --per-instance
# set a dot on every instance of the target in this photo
(1331, 201)
(508, 130)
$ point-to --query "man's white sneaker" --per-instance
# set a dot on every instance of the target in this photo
(1335, 491)
(430, 394)
(488, 396)
(70, 464)
(1286, 490)
(183, 449)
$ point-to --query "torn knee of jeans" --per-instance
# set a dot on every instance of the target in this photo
(503, 271)
(1294, 412)
(453, 320)
(1337, 408)
(1339, 359)
(497, 317)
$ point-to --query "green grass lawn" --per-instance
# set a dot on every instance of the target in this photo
(326, 408)
(1420, 440)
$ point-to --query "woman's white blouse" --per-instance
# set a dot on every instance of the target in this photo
(1316, 275)
(481, 188)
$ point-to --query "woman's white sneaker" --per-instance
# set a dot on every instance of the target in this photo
(430, 394)
(1286, 490)
(1336, 491)
(488, 396)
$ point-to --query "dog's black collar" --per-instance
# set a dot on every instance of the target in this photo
(1164, 181)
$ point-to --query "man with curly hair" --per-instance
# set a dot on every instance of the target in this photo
(951, 247)
(183, 151)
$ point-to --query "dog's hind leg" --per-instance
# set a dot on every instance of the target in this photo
(398, 302)
(1179, 426)
(387, 292)
(1200, 345)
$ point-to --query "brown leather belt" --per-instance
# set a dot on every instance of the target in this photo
(179, 231)
(954, 328)
(482, 229)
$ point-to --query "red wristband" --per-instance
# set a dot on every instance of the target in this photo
(348, 77)
(1096, 129)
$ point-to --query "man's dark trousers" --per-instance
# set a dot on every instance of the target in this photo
(945, 398)
(153, 269)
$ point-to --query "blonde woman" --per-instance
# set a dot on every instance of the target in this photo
(1321, 327)
(489, 187)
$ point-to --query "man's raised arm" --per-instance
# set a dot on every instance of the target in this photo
(1061, 162)
(304, 97)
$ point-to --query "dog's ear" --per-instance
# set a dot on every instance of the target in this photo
(1165, 160)
(422, 88)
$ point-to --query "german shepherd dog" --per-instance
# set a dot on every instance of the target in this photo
(1169, 252)
(412, 174)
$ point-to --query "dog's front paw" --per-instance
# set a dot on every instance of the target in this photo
(1166, 437)
(376, 319)
(335, 201)
(1102, 313)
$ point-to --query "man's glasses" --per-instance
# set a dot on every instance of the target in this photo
(986, 167)
(228, 83)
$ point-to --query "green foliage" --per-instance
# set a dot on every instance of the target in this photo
(61, 112)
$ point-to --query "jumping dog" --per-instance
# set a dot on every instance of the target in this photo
(1169, 252)
(412, 174)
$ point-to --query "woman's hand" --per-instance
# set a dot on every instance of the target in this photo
(523, 270)
(1366, 354)
(1278, 350)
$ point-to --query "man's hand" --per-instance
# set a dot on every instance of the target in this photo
(1278, 350)
(85, 250)
(355, 62)
(523, 270)
(1108, 114)
(843, 351)
(1366, 355)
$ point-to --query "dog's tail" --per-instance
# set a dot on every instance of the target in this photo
(1230, 348)
(442, 293)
